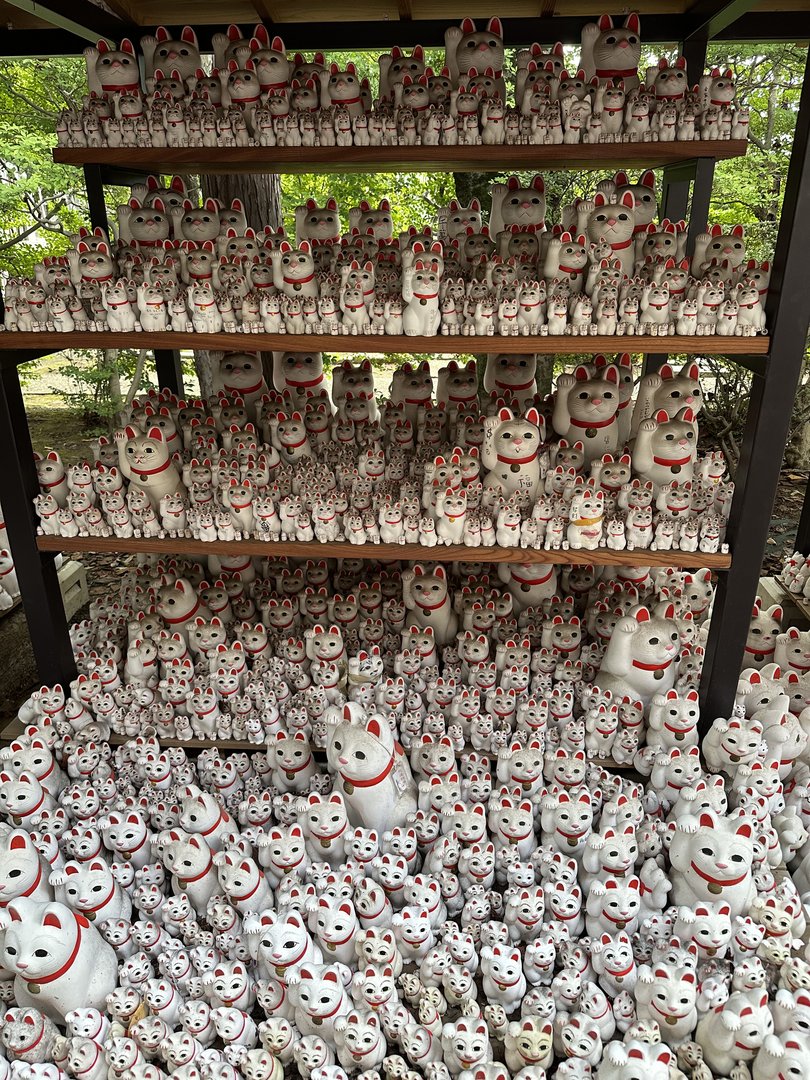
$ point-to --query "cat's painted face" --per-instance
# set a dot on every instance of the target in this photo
(594, 398)
(612, 223)
(117, 69)
(671, 83)
(480, 49)
(378, 221)
(199, 223)
(477, 245)
(344, 86)
(177, 54)
(524, 206)
(674, 439)
(319, 222)
(617, 48)
(319, 994)
(95, 265)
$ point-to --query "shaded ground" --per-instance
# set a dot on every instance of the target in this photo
(784, 519)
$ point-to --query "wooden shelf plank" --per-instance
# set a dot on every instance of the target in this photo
(12, 340)
(336, 159)
(201, 549)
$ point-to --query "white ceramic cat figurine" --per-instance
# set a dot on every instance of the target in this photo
(426, 596)
(112, 71)
(641, 658)
(467, 49)
(372, 772)
(586, 410)
(669, 391)
(613, 224)
(511, 376)
(145, 461)
(665, 449)
(511, 452)
(60, 960)
(420, 292)
(240, 375)
(586, 516)
(294, 269)
(513, 204)
(612, 52)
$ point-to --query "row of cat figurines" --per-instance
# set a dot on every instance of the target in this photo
(467, 119)
(255, 67)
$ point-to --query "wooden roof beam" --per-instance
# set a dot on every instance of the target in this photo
(81, 18)
(709, 18)
(264, 10)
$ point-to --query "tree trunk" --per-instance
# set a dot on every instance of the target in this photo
(261, 197)
(260, 194)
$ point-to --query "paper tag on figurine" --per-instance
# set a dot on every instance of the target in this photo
(400, 775)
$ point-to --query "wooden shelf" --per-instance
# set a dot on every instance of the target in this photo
(555, 345)
(338, 159)
(201, 549)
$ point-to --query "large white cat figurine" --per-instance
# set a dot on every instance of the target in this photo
(372, 772)
(511, 451)
(642, 655)
(586, 410)
(145, 462)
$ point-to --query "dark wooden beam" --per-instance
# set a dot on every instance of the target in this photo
(264, 9)
(755, 27)
(405, 12)
(121, 9)
(80, 18)
(709, 18)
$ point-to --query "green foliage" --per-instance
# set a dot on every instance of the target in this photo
(103, 379)
(40, 203)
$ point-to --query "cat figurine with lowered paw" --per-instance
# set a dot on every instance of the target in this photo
(371, 772)
(147, 464)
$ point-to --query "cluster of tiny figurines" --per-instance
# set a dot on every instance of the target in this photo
(607, 268)
(256, 95)
(425, 902)
(296, 464)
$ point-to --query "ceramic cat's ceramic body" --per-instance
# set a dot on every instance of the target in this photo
(735, 1031)
(319, 997)
(642, 655)
(511, 452)
(374, 775)
(59, 959)
(586, 410)
(713, 862)
(666, 448)
(668, 995)
(612, 52)
(146, 463)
